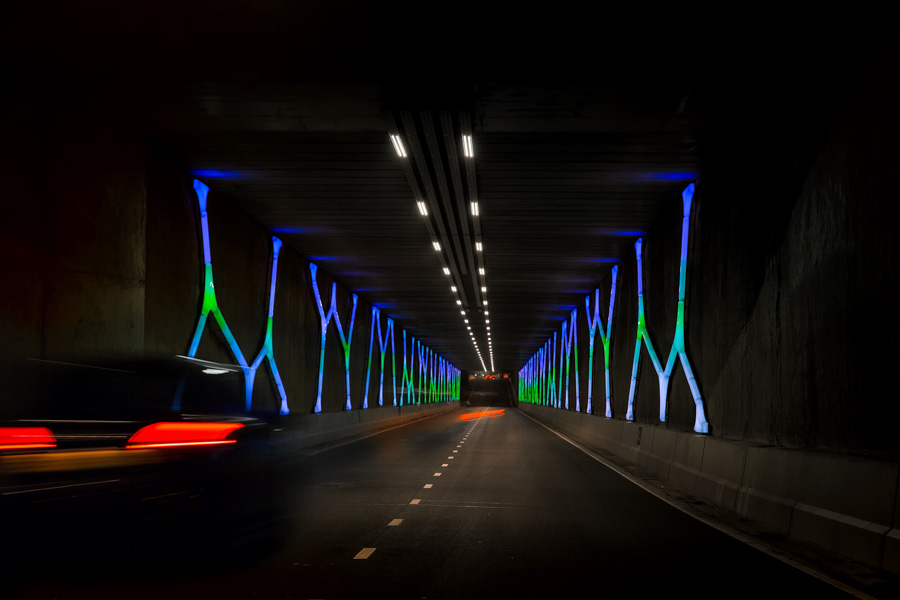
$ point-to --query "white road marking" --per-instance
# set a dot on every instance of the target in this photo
(415, 501)
(445, 465)
(437, 474)
(451, 457)
(454, 451)
(428, 486)
(394, 523)
(364, 554)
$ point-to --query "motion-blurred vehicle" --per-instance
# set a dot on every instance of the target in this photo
(131, 459)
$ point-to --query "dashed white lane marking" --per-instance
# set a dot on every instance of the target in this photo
(394, 523)
(451, 457)
(458, 446)
(415, 501)
(456, 450)
(428, 486)
(445, 465)
(437, 474)
(364, 554)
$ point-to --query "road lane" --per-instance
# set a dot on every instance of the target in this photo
(517, 513)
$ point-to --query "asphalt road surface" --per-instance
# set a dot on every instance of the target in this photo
(491, 507)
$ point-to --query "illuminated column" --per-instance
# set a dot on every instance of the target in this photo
(210, 304)
(266, 351)
(382, 345)
(678, 345)
(345, 340)
(565, 349)
(551, 366)
(605, 337)
(422, 352)
(406, 382)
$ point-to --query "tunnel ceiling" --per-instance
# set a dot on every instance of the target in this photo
(287, 109)
(565, 179)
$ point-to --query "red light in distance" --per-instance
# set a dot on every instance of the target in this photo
(167, 435)
(22, 438)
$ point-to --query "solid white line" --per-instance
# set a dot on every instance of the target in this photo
(364, 554)
(717, 526)
(394, 523)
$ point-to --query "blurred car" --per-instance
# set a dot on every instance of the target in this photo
(130, 459)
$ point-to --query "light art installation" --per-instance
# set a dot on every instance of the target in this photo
(678, 346)
(594, 325)
(406, 383)
(210, 304)
(345, 340)
(565, 349)
(266, 351)
(382, 345)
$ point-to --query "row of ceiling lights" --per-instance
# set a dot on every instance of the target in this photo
(468, 152)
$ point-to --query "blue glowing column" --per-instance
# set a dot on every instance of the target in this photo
(678, 345)
(595, 325)
(382, 345)
(210, 304)
(406, 383)
(345, 340)
(266, 351)
(569, 339)
(551, 367)
(422, 352)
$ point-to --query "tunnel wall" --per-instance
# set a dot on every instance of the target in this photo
(786, 276)
(105, 259)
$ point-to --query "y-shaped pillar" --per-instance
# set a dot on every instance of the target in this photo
(210, 304)
(594, 325)
(382, 345)
(345, 340)
(266, 351)
(678, 346)
(565, 349)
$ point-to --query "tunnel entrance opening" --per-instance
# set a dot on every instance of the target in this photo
(482, 392)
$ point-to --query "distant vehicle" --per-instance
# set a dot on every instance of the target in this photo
(101, 462)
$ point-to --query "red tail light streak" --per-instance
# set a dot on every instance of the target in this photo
(168, 435)
(25, 438)
(484, 414)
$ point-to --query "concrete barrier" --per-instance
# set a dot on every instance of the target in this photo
(848, 504)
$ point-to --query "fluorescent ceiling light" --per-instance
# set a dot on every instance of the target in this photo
(446, 271)
(453, 288)
(436, 246)
(478, 246)
(474, 206)
(483, 288)
(459, 302)
(423, 210)
(398, 146)
(467, 146)
(481, 270)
